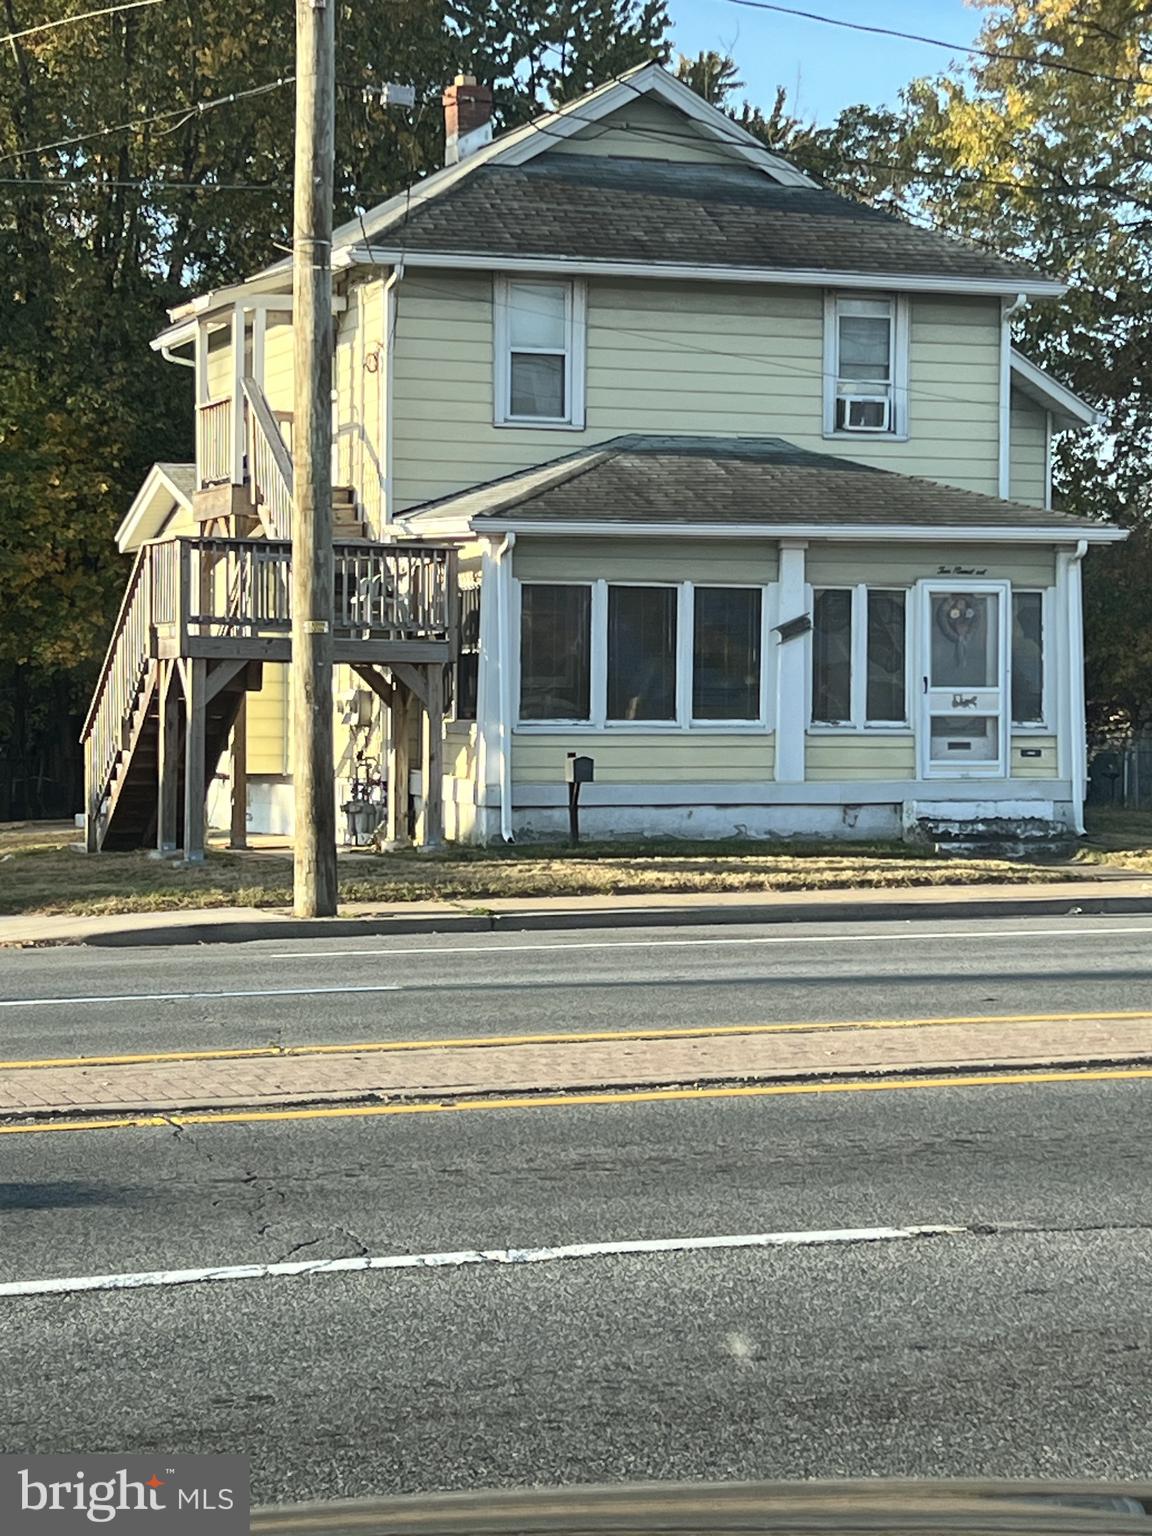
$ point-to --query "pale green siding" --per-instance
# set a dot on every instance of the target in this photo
(867, 755)
(268, 722)
(1028, 443)
(682, 357)
(835, 565)
(646, 129)
(739, 562)
(460, 749)
(646, 757)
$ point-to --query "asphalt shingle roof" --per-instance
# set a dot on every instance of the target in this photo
(598, 208)
(734, 480)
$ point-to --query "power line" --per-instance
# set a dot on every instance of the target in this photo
(936, 42)
(66, 21)
(186, 113)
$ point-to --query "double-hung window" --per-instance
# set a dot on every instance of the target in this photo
(1028, 658)
(866, 365)
(620, 654)
(859, 657)
(539, 352)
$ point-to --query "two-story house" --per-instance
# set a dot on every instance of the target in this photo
(749, 494)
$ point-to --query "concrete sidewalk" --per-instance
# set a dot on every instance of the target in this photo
(398, 1071)
(1106, 893)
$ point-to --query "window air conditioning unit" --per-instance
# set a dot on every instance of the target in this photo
(865, 413)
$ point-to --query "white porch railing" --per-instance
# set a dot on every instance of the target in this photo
(269, 464)
(214, 441)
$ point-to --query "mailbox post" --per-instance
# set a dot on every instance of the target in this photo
(577, 770)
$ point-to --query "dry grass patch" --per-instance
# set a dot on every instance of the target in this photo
(41, 873)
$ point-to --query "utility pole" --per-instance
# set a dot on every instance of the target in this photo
(314, 865)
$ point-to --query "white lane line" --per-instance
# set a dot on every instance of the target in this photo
(812, 938)
(187, 997)
(466, 1257)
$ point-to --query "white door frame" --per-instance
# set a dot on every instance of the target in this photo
(985, 700)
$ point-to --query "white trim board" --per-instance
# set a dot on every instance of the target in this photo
(486, 261)
(854, 533)
(757, 792)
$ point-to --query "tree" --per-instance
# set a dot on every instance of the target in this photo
(99, 231)
(1041, 152)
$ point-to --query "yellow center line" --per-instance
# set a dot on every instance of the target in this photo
(566, 1100)
(582, 1037)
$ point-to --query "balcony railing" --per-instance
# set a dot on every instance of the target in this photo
(214, 439)
(240, 590)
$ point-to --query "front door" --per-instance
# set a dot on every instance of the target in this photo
(963, 732)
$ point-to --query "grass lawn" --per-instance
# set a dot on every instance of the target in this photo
(40, 872)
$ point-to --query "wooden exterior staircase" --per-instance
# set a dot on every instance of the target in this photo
(198, 619)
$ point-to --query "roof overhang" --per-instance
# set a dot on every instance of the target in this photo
(1068, 409)
(490, 525)
(155, 502)
(853, 532)
(904, 282)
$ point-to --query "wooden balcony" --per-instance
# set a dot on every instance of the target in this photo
(231, 599)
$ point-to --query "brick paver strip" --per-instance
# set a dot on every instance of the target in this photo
(517, 1068)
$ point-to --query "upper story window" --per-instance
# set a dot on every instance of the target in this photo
(865, 366)
(539, 353)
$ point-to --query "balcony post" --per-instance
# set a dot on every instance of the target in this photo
(168, 803)
(195, 730)
(238, 831)
(432, 767)
(396, 822)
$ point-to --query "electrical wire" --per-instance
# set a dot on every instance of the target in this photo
(185, 113)
(972, 49)
(65, 21)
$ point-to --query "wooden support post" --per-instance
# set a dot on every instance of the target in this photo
(168, 759)
(396, 825)
(195, 787)
(238, 832)
(91, 809)
(430, 833)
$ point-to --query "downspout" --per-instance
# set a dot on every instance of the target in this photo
(387, 497)
(1077, 711)
(170, 357)
(503, 640)
(1004, 467)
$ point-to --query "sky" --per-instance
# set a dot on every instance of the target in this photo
(824, 68)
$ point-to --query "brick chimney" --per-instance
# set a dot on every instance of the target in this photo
(467, 118)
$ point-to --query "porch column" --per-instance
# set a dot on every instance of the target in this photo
(168, 805)
(396, 823)
(791, 664)
(195, 679)
(430, 833)
(237, 395)
(238, 829)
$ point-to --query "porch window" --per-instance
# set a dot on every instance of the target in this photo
(555, 648)
(726, 653)
(539, 353)
(464, 675)
(1027, 658)
(865, 365)
(642, 653)
(859, 657)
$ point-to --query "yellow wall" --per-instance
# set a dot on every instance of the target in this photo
(645, 757)
(682, 357)
(268, 722)
(869, 755)
(901, 564)
(459, 749)
(279, 385)
(1028, 451)
(218, 376)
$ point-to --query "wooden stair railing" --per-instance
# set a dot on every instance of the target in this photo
(269, 465)
(123, 677)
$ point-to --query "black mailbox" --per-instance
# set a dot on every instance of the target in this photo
(578, 770)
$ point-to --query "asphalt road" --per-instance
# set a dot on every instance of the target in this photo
(1020, 1346)
(76, 1001)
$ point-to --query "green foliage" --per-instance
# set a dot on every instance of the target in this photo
(193, 200)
